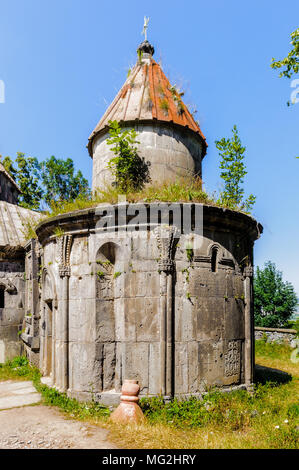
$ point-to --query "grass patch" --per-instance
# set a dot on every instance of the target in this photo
(20, 369)
(276, 356)
(71, 406)
(28, 228)
(273, 351)
(268, 418)
(178, 191)
(182, 190)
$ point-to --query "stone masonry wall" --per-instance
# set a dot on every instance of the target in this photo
(31, 326)
(276, 335)
(172, 154)
(11, 316)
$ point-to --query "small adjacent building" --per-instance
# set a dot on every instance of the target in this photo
(13, 220)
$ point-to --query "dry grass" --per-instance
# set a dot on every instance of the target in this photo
(17, 369)
(182, 190)
(268, 420)
(276, 356)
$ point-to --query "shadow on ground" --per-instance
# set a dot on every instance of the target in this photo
(267, 374)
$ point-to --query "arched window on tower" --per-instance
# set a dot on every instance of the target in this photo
(214, 260)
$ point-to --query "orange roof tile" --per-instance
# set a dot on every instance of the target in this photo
(148, 95)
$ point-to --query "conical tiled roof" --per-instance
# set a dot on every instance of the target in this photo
(147, 95)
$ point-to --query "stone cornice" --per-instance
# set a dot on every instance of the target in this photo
(85, 220)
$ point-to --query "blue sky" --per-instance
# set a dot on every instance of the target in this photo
(62, 62)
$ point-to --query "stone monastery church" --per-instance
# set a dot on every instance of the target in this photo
(132, 291)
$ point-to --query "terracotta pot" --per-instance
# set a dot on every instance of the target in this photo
(130, 391)
(128, 410)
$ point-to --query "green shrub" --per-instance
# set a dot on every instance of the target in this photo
(18, 367)
(181, 190)
(215, 407)
(71, 406)
(130, 171)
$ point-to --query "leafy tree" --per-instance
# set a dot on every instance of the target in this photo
(9, 166)
(26, 172)
(53, 180)
(60, 181)
(291, 61)
(28, 179)
(232, 164)
(275, 301)
(129, 170)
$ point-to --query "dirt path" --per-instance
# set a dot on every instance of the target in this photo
(42, 427)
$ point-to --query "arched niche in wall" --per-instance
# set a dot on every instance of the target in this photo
(215, 255)
(105, 315)
(48, 306)
(6, 286)
(105, 261)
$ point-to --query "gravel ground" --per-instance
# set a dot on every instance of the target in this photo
(43, 427)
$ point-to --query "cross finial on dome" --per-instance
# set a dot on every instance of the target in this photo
(145, 47)
(145, 26)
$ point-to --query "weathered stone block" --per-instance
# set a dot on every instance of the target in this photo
(105, 320)
(210, 363)
(140, 284)
(119, 319)
(154, 369)
(135, 364)
(82, 321)
(109, 362)
(181, 367)
(82, 286)
(238, 285)
(210, 318)
(147, 320)
(185, 319)
(11, 316)
(193, 386)
(83, 372)
(209, 285)
(79, 251)
(234, 319)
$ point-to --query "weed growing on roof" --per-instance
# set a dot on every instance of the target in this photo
(181, 190)
(164, 105)
(130, 171)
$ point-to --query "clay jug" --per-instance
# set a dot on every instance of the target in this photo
(128, 410)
